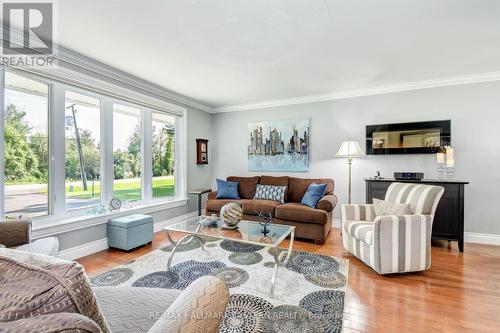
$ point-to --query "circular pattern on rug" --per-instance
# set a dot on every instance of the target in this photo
(188, 246)
(331, 280)
(291, 318)
(269, 264)
(276, 250)
(113, 277)
(233, 246)
(232, 276)
(245, 258)
(211, 245)
(245, 313)
(286, 286)
(190, 270)
(328, 306)
(161, 279)
(312, 264)
(208, 239)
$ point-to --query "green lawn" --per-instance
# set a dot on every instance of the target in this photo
(125, 189)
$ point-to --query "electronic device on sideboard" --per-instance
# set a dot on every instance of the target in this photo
(408, 175)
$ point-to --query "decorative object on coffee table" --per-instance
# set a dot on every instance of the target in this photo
(231, 214)
(350, 149)
(265, 218)
(201, 151)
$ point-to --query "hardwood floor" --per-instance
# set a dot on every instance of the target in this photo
(460, 293)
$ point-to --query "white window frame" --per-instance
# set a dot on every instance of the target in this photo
(57, 213)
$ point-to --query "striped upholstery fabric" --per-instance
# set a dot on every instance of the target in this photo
(420, 197)
(393, 244)
(361, 230)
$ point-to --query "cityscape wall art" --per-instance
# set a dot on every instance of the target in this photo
(279, 145)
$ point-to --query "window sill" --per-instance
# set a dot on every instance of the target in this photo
(55, 226)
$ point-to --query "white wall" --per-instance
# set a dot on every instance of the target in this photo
(473, 109)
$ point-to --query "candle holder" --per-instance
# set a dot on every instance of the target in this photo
(441, 168)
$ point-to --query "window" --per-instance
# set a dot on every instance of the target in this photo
(67, 151)
(163, 155)
(82, 151)
(26, 146)
(127, 140)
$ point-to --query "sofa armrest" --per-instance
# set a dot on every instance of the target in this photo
(52, 323)
(212, 195)
(358, 212)
(15, 233)
(199, 308)
(327, 203)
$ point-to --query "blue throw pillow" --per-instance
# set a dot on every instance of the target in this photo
(227, 190)
(313, 194)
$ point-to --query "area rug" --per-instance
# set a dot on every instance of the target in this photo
(309, 293)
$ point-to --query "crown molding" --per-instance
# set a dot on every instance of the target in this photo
(71, 61)
(387, 89)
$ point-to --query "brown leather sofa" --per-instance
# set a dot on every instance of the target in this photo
(310, 223)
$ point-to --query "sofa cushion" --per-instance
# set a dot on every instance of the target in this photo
(313, 194)
(214, 205)
(361, 230)
(227, 190)
(299, 186)
(247, 185)
(270, 192)
(34, 285)
(277, 181)
(297, 212)
(254, 207)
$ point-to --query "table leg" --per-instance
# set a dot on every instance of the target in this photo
(279, 262)
(275, 273)
(179, 242)
(199, 204)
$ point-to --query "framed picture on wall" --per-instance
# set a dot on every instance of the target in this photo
(201, 151)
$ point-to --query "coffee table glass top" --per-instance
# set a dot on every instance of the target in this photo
(247, 231)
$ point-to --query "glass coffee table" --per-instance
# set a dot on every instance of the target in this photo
(248, 232)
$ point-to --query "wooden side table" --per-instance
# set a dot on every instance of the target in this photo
(200, 193)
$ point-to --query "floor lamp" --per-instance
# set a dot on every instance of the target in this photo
(350, 149)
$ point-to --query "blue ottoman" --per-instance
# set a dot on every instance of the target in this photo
(131, 231)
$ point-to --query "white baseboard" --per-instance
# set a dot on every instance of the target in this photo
(162, 224)
(102, 244)
(474, 237)
(84, 249)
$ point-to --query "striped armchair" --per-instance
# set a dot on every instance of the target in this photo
(393, 244)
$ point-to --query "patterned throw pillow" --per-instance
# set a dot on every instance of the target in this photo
(270, 192)
(383, 208)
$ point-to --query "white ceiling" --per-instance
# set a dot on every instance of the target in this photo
(227, 52)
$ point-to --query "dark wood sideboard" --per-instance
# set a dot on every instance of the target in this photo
(449, 219)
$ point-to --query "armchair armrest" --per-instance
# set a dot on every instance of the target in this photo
(404, 242)
(199, 308)
(327, 203)
(358, 212)
(212, 195)
(15, 232)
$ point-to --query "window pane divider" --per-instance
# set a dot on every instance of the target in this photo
(2, 174)
(57, 166)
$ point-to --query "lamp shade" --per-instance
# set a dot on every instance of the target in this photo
(350, 148)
